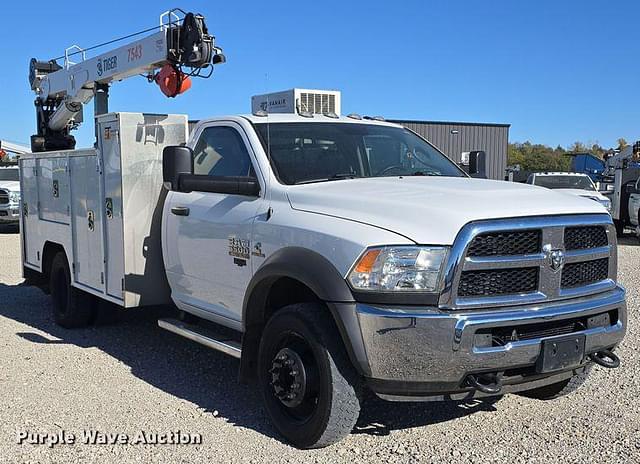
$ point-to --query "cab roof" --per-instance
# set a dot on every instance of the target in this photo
(290, 117)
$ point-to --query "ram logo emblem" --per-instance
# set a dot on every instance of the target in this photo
(556, 257)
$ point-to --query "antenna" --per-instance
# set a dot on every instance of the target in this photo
(271, 170)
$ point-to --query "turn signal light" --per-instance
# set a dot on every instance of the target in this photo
(367, 261)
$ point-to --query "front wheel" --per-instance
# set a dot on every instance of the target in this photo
(309, 387)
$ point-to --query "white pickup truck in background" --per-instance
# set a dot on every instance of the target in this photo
(9, 195)
(339, 254)
(570, 183)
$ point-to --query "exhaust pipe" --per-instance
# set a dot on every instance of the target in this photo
(490, 383)
(605, 358)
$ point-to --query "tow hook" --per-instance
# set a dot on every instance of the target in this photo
(490, 383)
(605, 358)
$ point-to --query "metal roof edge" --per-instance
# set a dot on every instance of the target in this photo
(450, 123)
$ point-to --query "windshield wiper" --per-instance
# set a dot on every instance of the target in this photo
(338, 176)
(424, 173)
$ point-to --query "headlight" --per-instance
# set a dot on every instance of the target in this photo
(606, 203)
(14, 197)
(401, 268)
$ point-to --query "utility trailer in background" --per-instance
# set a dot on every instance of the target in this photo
(104, 207)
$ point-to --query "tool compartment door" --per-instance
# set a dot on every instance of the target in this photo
(86, 206)
(29, 193)
(53, 189)
(110, 147)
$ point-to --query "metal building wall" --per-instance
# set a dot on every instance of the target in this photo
(454, 138)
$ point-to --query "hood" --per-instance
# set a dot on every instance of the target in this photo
(11, 185)
(432, 210)
(582, 193)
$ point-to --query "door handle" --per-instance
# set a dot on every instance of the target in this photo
(180, 211)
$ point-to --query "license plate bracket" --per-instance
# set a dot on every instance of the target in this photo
(561, 353)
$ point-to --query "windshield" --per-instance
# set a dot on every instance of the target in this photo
(316, 152)
(565, 182)
(9, 174)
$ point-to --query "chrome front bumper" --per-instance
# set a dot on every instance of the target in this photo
(9, 213)
(408, 352)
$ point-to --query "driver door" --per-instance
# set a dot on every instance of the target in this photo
(208, 235)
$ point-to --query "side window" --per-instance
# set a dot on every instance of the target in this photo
(220, 151)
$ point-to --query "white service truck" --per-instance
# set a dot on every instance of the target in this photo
(339, 254)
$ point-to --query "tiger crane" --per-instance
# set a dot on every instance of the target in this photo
(179, 48)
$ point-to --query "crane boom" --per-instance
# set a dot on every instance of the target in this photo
(61, 91)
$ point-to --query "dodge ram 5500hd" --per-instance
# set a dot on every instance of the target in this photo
(344, 254)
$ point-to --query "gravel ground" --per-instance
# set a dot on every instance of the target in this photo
(132, 376)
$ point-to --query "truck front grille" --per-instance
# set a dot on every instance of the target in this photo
(529, 261)
(506, 243)
(581, 238)
(584, 273)
(498, 282)
(4, 197)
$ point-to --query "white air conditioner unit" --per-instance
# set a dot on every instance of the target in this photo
(298, 101)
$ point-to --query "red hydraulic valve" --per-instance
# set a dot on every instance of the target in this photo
(172, 81)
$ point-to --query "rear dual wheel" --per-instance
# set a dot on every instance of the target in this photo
(309, 387)
(72, 308)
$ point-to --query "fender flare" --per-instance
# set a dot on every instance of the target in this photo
(318, 274)
(303, 265)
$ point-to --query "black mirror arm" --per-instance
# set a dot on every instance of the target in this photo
(247, 186)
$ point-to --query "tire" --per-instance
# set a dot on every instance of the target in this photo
(326, 404)
(620, 226)
(558, 390)
(72, 308)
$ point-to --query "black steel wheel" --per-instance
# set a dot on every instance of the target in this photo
(309, 387)
(72, 308)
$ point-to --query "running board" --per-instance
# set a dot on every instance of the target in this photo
(203, 336)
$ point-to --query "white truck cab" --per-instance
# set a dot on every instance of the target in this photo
(570, 183)
(9, 194)
(343, 253)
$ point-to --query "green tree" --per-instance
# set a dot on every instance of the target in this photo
(537, 157)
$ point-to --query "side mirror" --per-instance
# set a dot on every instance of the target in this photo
(176, 161)
(478, 164)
